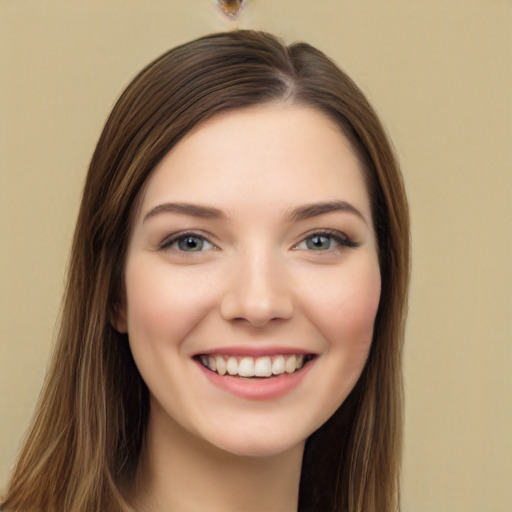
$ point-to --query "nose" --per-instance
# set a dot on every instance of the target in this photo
(258, 292)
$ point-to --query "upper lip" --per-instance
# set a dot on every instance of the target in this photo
(254, 351)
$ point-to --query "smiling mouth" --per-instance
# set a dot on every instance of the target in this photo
(257, 367)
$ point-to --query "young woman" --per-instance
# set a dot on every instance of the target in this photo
(233, 321)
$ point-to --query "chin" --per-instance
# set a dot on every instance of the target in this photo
(260, 447)
(260, 439)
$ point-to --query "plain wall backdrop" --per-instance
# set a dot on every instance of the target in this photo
(439, 72)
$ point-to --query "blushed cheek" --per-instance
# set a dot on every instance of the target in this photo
(351, 316)
(147, 306)
(365, 311)
(354, 334)
(162, 305)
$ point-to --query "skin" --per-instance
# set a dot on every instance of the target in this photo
(258, 281)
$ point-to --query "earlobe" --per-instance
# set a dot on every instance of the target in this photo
(118, 318)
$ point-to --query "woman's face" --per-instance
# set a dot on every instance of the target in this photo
(252, 281)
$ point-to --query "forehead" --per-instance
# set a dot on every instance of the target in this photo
(273, 156)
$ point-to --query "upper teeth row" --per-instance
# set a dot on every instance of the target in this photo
(253, 367)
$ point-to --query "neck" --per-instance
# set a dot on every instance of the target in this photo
(181, 472)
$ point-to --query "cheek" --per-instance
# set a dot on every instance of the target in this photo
(345, 311)
(161, 304)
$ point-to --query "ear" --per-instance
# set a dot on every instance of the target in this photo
(118, 318)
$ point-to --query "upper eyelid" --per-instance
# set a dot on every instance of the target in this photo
(334, 233)
(327, 231)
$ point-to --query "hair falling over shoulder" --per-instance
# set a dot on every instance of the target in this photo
(86, 436)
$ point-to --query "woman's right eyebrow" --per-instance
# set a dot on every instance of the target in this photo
(194, 210)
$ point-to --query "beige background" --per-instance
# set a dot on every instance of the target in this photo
(440, 74)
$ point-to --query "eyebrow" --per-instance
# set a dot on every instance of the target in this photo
(316, 209)
(305, 212)
(194, 210)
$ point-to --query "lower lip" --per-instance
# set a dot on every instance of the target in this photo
(269, 388)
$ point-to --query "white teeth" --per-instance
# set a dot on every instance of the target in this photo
(247, 367)
(263, 367)
(221, 365)
(232, 366)
(278, 365)
(290, 364)
(212, 364)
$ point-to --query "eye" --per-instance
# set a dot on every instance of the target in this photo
(318, 242)
(325, 241)
(187, 242)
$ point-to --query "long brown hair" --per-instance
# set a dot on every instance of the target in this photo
(91, 419)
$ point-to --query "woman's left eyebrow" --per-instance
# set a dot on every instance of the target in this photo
(315, 209)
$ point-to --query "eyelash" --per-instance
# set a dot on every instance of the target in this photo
(340, 238)
(177, 237)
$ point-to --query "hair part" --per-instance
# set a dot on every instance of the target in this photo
(90, 422)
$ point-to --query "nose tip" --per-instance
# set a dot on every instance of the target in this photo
(257, 311)
(257, 298)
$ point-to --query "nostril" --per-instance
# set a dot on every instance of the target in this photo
(231, 8)
(256, 294)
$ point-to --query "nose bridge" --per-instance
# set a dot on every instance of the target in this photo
(258, 290)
